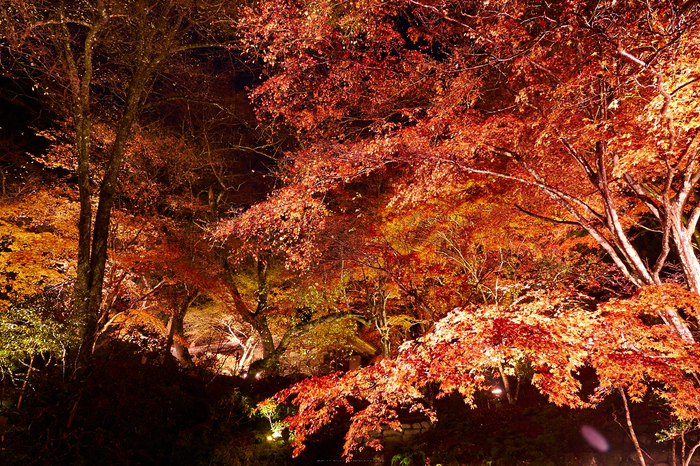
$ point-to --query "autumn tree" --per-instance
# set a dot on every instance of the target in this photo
(586, 109)
(106, 62)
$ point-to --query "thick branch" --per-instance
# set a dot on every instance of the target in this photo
(613, 220)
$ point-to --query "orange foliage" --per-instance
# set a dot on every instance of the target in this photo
(557, 334)
(39, 239)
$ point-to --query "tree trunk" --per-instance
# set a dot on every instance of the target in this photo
(268, 366)
(81, 95)
(92, 257)
(382, 322)
(686, 255)
(510, 396)
(176, 327)
(94, 237)
(633, 436)
(608, 230)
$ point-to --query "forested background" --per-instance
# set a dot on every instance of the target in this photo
(401, 231)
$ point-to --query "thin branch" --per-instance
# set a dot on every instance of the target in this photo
(546, 219)
(686, 84)
(566, 201)
(642, 195)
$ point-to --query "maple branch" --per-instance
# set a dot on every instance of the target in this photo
(642, 195)
(690, 179)
(613, 220)
(590, 173)
(685, 84)
(632, 58)
(546, 219)
(238, 302)
(665, 250)
(691, 226)
(539, 182)
(566, 201)
(691, 153)
(690, 454)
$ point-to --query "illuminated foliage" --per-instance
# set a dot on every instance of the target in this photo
(556, 334)
(585, 111)
(33, 327)
(39, 239)
(581, 115)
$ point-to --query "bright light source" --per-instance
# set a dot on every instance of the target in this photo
(244, 375)
(496, 391)
(277, 434)
(258, 375)
(269, 437)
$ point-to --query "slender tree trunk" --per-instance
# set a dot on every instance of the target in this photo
(383, 325)
(674, 460)
(80, 87)
(690, 454)
(510, 396)
(633, 436)
(686, 255)
(247, 355)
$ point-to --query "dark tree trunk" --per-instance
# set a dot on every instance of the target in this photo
(176, 327)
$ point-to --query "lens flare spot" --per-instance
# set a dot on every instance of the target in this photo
(595, 439)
